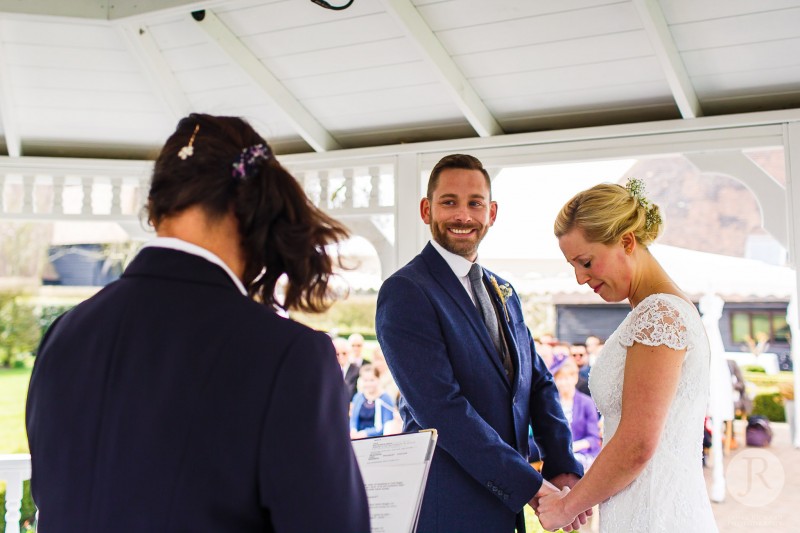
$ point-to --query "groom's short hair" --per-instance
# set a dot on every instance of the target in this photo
(462, 161)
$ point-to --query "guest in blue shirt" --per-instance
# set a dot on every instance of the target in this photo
(372, 407)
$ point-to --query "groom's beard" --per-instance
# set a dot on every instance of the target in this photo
(465, 247)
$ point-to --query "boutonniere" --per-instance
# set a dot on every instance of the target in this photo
(504, 291)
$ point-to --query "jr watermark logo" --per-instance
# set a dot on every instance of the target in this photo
(755, 477)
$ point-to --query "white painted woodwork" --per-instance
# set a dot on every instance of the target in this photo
(675, 72)
(307, 126)
(770, 195)
(155, 68)
(14, 469)
(432, 51)
(8, 112)
(792, 155)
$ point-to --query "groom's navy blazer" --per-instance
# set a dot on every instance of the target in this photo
(452, 379)
(171, 402)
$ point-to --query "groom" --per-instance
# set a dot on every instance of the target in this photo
(480, 386)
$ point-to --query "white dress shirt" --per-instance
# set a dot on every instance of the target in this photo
(183, 246)
(460, 267)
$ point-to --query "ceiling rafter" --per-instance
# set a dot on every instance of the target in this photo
(680, 84)
(298, 116)
(162, 79)
(8, 117)
(462, 92)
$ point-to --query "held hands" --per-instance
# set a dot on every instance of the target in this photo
(549, 499)
(553, 515)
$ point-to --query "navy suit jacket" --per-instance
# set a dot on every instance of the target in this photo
(451, 379)
(171, 402)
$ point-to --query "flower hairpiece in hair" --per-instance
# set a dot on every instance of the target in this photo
(635, 188)
(250, 158)
(188, 150)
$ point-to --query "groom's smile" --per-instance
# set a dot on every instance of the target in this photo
(460, 211)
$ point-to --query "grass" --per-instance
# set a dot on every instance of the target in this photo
(13, 389)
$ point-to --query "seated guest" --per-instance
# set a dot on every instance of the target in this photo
(579, 409)
(177, 398)
(372, 408)
(349, 370)
(580, 355)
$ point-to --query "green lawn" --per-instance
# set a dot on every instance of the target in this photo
(13, 388)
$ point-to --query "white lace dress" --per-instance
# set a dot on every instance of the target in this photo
(670, 493)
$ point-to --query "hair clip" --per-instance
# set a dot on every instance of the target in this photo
(188, 150)
(250, 158)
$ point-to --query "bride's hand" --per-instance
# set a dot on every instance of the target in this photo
(553, 514)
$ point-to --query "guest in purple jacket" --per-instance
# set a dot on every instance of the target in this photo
(579, 409)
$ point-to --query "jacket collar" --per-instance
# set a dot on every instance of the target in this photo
(446, 278)
(184, 246)
(166, 263)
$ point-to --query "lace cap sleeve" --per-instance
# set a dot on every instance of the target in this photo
(656, 321)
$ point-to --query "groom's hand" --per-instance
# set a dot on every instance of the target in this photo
(545, 489)
(567, 479)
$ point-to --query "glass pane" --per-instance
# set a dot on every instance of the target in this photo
(780, 328)
(740, 327)
(761, 327)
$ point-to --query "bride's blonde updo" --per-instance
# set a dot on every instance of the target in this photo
(608, 211)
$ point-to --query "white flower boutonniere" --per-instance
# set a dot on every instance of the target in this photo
(504, 291)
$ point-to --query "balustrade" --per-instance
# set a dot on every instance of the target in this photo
(14, 469)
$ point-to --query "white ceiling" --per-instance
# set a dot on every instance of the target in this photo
(94, 79)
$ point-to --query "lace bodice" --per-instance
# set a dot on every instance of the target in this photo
(670, 493)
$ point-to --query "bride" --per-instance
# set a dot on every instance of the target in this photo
(651, 383)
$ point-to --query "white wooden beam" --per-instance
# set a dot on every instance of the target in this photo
(655, 26)
(154, 66)
(303, 122)
(770, 194)
(8, 116)
(462, 92)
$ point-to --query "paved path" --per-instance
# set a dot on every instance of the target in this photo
(755, 499)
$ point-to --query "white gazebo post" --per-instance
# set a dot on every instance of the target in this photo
(793, 409)
(720, 400)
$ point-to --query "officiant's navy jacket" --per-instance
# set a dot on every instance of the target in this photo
(451, 379)
(171, 402)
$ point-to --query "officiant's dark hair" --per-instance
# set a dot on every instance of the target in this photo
(606, 212)
(462, 161)
(281, 231)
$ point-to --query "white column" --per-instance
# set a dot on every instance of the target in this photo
(14, 469)
(792, 153)
(409, 228)
(720, 401)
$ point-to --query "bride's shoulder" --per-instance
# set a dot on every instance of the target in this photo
(659, 319)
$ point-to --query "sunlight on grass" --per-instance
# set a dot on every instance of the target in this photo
(13, 388)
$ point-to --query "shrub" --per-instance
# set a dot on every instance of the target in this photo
(771, 406)
(19, 329)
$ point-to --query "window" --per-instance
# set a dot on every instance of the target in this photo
(762, 324)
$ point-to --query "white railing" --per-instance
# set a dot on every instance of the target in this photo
(35, 188)
(14, 469)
